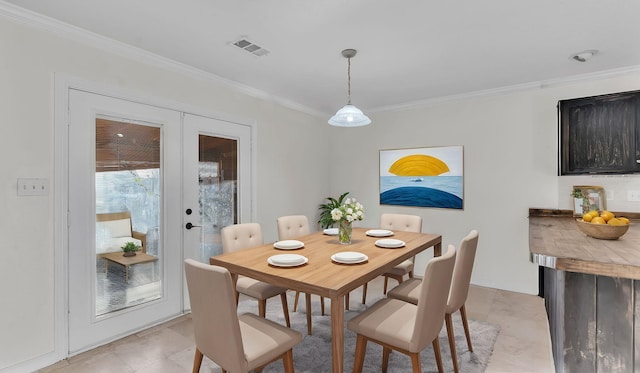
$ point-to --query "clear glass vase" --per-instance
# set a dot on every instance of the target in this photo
(344, 232)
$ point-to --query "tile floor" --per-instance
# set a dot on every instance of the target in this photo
(523, 344)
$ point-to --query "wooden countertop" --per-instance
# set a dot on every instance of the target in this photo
(556, 242)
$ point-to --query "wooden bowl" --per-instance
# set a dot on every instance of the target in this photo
(602, 231)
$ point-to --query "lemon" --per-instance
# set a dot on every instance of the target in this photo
(606, 215)
(587, 217)
(616, 221)
(593, 213)
(625, 220)
(598, 220)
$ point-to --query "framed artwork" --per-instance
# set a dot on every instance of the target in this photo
(587, 198)
(422, 177)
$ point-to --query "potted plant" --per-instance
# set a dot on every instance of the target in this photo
(326, 220)
(130, 249)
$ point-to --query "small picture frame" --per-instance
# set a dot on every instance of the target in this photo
(587, 198)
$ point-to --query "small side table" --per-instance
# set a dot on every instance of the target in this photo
(127, 261)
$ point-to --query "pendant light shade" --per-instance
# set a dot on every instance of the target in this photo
(349, 115)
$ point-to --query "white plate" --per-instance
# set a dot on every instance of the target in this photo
(331, 231)
(390, 243)
(288, 245)
(379, 233)
(349, 257)
(287, 260)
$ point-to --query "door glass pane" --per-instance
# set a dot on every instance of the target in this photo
(217, 200)
(127, 190)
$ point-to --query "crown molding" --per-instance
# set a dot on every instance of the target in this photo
(550, 83)
(91, 39)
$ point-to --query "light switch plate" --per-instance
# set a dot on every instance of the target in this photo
(633, 195)
(33, 187)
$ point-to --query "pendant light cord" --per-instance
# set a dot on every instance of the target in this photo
(349, 80)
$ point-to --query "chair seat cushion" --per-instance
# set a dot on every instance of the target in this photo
(257, 289)
(264, 340)
(401, 269)
(389, 321)
(407, 291)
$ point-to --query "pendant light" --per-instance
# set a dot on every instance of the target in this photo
(349, 115)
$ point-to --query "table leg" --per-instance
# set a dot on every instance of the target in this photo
(337, 333)
(234, 280)
(437, 249)
(307, 298)
(126, 274)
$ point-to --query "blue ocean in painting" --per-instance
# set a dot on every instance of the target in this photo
(422, 191)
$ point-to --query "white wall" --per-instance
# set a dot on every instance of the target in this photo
(509, 148)
(510, 165)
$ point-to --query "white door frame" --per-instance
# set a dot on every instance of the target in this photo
(62, 84)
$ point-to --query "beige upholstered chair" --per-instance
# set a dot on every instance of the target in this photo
(290, 227)
(236, 343)
(406, 327)
(409, 291)
(397, 222)
(243, 236)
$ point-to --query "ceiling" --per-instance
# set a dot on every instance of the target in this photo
(409, 51)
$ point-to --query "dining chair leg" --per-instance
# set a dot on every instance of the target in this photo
(307, 298)
(436, 351)
(386, 351)
(197, 361)
(295, 301)
(386, 280)
(361, 348)
(285, 308)
(364, 293)
(463, 315)
(416, 364)
(322, 305)
(287, 360)
(452, 341)
(262, 308)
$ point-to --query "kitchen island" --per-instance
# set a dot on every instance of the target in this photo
(590, 287)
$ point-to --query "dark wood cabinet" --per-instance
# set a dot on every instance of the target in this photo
(600, 134)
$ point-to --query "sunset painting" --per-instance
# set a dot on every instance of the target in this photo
(422, 177)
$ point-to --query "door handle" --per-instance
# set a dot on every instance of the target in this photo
(189, 226)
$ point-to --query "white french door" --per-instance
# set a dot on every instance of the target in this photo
(178, 177)
(124, 157)
(217, 193)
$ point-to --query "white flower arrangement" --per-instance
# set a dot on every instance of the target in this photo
(351, 210)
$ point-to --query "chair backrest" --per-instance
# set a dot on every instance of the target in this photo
(401, 222)
(462, 272)
(292, 226)
(433, 300)
(241, 236)
(213, 311)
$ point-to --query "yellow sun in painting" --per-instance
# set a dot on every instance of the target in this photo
(418, 165)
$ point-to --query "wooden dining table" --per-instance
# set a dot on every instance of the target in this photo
(324, 277)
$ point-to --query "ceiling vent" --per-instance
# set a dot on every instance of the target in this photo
(251, 47)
